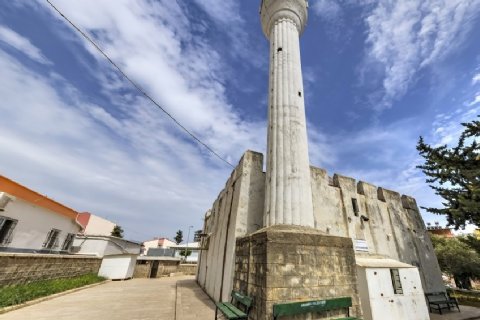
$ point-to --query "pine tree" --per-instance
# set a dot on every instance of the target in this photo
(454, 174)
(179, 237)
(117, 232)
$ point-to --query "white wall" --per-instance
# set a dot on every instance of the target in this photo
(238, 211)
(99, 226)
(167, 244)
(34, 223)
(103, 246)
(379, 301)
(191, 258)
(150, 244)
(395, 228)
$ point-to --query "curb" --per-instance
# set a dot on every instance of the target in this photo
(50, 297)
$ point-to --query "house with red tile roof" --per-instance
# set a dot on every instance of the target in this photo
(31, 222)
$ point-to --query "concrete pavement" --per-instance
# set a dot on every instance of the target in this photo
(176, 298)
(116, 300)
(467, 313)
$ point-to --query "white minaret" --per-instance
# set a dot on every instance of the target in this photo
(288, 198)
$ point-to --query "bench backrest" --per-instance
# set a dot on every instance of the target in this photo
(247, 301)
(286, 309)
(436, 296)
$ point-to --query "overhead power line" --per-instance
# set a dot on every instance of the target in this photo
(137, 86)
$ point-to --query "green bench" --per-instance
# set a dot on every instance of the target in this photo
(441, 300)
(232, 312)
(290, 309)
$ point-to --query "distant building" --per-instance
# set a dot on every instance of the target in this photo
(32, 223)
(95, 225)
(193, 247)
(440, 231)
(156, 243)
(101, 246)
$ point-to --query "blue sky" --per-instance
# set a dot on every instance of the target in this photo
(378, 74)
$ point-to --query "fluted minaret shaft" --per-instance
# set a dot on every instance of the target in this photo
(288, 191)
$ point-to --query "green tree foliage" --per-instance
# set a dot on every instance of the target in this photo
(179, 237)
(472, 242)
(454, 174)
(185, 253)
(457, 260)
(117, 232)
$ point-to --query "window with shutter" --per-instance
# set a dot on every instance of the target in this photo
(7, 225)
(52, 239)
(397, 284)
(67, 243)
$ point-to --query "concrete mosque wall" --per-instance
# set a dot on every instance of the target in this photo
(391, 226)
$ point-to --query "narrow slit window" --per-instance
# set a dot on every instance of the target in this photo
(279, 49)
(396, 283)
(356, 211)
(299, 93)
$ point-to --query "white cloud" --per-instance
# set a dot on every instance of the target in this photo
(476, 79)
(475, 101)
(22, 44)
(330, 10)
(125, 158)
(405, 36)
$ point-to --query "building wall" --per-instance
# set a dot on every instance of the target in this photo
(99, 226)
(103, 246)
(34, 224)
(238, 211)
(193, 257)
(144, 267)
(394, 229)
(379, 300)
(167, 244)
(24, 268)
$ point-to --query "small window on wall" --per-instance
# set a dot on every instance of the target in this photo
(52, 239)
(355, 207)
(397, 284)
(7, 226)
(67, 243)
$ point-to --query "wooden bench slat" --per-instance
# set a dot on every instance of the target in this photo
(226, 311)
(242, 298)
(286, 309)
(235, 310)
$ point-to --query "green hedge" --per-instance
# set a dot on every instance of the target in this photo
(466, 298)
(21, 293)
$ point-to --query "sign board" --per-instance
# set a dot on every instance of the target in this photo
(360, 245)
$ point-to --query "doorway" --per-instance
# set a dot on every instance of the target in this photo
(154, 271)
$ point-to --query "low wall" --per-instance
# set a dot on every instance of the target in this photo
(145, 267)
(24, 268)
(188, 269)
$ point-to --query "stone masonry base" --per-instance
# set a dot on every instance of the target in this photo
(281, 264)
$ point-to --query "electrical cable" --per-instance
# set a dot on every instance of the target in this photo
(138, 87)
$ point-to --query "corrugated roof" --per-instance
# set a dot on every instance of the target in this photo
(381, 263)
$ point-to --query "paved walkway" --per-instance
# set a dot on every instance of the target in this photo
(178, 298)
(125, 300)
(467, 313)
